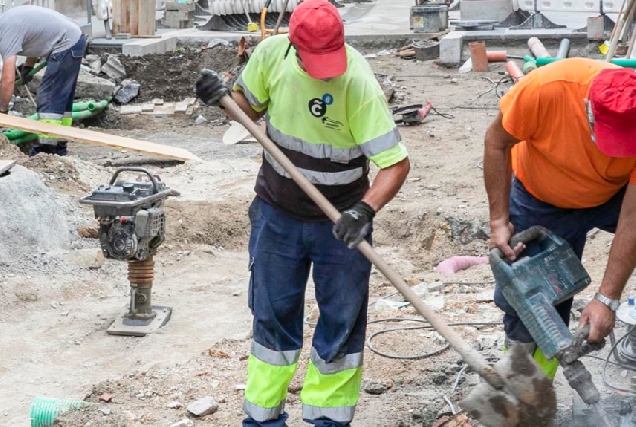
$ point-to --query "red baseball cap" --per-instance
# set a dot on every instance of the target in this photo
(613, 101)
(317, 32)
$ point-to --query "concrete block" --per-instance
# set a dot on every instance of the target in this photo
(480, 10)
(450, 48)
(149, 46)
(187, 7)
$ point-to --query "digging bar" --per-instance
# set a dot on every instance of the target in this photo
(471, 356)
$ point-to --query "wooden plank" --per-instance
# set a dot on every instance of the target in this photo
(121, 16)
(147, 18)
(5, 166)
(95, 138)
(134, 17)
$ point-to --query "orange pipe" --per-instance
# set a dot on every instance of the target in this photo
(497, 55)
(514, 70)
(478, 56)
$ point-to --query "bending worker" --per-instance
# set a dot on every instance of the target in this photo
(37, 32)
(561, 154)
(325, 110)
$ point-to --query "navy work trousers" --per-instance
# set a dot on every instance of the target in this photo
(282, 252)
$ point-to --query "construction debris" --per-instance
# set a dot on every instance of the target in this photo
(113, 68)
(128, 91)
(203, 407)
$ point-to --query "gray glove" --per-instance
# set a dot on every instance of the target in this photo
(210, 89)
(354, 224)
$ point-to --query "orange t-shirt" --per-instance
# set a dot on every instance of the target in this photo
(556, 160)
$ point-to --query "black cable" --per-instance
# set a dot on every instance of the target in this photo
(428, 326)
(607, 363)
(444, 115)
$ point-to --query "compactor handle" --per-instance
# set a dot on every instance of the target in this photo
(155, 184)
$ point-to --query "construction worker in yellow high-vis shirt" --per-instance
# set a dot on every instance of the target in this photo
(326, 111)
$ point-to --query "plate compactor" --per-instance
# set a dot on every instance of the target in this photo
(132, 225)
(546, 274)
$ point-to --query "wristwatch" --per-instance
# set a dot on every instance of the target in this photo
(612, 304)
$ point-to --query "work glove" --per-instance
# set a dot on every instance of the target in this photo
(354, 224)
(24, 71)
(210, 88)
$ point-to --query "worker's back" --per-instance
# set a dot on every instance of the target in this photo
(35, 31)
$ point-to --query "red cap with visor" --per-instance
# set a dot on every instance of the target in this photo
(317, 32)
(613, 101)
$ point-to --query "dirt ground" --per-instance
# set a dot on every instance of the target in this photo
(55, 310)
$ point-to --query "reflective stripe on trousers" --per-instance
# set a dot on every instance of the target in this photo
(331, 390)
(269, 373)
(55, 119)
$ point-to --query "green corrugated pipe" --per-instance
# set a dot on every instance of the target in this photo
(90, 105)
(16, 136)
(26, 138)
(627, 63)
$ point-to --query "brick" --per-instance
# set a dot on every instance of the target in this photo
(130, 109)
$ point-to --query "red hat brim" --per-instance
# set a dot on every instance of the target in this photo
(324, 65)
(614, 142)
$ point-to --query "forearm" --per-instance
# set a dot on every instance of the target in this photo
(244, 105)
(497, 177)
(387, 184)
(622, 257)
(8, 82)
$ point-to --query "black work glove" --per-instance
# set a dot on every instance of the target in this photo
(210, 89)
(24, 73)
(354, 224)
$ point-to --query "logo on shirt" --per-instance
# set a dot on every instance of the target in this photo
(318, 109)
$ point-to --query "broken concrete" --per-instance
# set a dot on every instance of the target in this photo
(88, 86)
(129, 90)
(203, 407)
(113, 68)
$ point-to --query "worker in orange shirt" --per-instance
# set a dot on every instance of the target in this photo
(561, 154)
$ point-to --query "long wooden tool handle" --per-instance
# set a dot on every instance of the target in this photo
(473, 358)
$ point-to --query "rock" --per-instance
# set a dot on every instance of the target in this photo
(580, 304)
(374, 388)
(183, 423)
(129, 90)
(200, 120)
(436, 303)
(466, 231)
(113, 68)
(105, 411)
(413, 281)
(424, 288)
(385, 305)
(107, 398)
(240, 387)
(92, 259)
(175, 405)
(88, 232)
(203, 407)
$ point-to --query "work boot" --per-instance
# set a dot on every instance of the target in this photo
(41, 148)
(58, 149)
